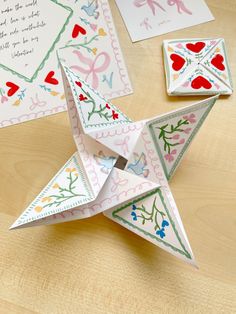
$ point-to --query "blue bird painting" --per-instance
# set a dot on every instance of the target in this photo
(139, 164)
(91, 9)
(107, 162)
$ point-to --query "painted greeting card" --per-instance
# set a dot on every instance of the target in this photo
(197, 67)
(149, 18)
(35, 35)
(121, 168)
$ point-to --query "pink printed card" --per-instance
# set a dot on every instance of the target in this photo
(35, 36)
(197, 66)
(149, 18)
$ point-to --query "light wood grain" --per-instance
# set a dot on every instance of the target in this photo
(95, 265)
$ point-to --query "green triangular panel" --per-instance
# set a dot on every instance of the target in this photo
(68, 189)
(216, 62)
(94, 110)
(173, 132)
(151, 217)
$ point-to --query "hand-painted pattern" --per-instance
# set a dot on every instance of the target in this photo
(106, 162)
(197, 67)
(170, 135)
(153, 5)
(91, 8)
(103, 111)
(5, 95)
(93, 67)
(154, 215)
(86, 27)
(139, 165)
(62, 193)
(87, 43)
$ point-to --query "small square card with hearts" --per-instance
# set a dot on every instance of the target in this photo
(197, 67)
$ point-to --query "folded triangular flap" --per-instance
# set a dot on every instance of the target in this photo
(97, 159)
(120, 187)
(173, 132)
(151, 217)
(194, 48)
(94, 111)
(202, 82)
(177, 63)
(145, 162)
(68, 189)
(120, 139)
(216, 62)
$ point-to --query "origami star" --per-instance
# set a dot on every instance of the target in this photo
(121, 168)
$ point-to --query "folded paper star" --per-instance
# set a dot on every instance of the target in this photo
(121, 168)
(197, 67)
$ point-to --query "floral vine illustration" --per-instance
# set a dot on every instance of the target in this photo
(3, 96)
(52, 92)
(87, 42)
(17, 102)
(20, 97)
(64, 192)
(170, 135)
(152, 216)
(103, 111)
(92, 25)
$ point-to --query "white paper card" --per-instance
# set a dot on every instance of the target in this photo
(149, 18)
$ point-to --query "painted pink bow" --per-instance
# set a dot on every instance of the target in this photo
(180, 6)
(150, 3)
(146, 24)
(117, 181)
(124, 144)
(98, 65)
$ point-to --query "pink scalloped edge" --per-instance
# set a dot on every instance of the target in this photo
(110, 132)
(122, 71)
(32, 116)
(152, 155)
(117, 52)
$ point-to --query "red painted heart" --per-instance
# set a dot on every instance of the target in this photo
(178, 61)
(82, 97)
(78, 29)
(13, 88)
(50, 79)
(197, 47)
(199, 82)
(78, 83)
(217, 61)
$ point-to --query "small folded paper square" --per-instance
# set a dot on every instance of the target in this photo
(120, 168)
(197, 67)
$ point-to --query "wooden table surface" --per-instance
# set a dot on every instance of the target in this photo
(97, 266)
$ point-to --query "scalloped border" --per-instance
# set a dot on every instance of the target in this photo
(89, 198)
(208, 104)
(122, 71)
(116, 216)
(30, 80)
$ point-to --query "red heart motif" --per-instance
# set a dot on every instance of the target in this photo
(178, 61)
(78, 29)
(78, 83)
(217, 61)
(199, 82)
(13, 88)
(197, 47)
(50, 79)
(82, 97)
